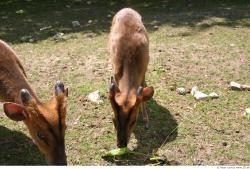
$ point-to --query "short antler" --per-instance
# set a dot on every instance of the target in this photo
(113, 88)
(59, 88)
(25, 96)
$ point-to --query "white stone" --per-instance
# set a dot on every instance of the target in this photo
(58, 36)
(181, 91)
(26, 38)
(76, 23)
(95, 97)
(193, 90)
(213, 95)
(234, 86)
(200, 96)
(45, 28)
(247, 112)
(89, 2)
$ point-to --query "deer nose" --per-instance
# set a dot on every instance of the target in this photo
(122, 140)
(59, 157)
(61, 163)
(121, 144)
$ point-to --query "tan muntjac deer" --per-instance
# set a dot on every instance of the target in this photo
(129, 48)
(45, 121)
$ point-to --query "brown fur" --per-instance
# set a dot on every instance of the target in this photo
(129, 48)
(39, 117)
(11, 72)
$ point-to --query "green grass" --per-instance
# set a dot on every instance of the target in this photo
(204, 43)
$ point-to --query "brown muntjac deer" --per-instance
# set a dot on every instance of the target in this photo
(129, 48)
(45, 121)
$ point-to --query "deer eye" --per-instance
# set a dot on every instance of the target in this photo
(42, 137)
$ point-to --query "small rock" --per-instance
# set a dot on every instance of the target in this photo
(68, 6)
(89, 2)
(181, 91)
(25, 38)
(95, 97)
(193, 90)
(31, 40)
(234, 86)
(156, 27)
(247, 112)
(59, 36)
(20, 11)
(90, 21)
(76, 23)
(200, 96)
(245, 87)
(45, 28)
(109, 15)
(213, 95)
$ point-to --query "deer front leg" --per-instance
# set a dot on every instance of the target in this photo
(144, 109)
(144, 115)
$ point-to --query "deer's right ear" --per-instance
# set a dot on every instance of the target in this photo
(14, 111)
(113, 88)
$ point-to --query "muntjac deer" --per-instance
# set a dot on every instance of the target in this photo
(45, 121)
(129, 48)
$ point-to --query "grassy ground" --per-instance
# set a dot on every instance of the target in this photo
(200, 43)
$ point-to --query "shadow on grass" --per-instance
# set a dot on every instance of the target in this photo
(43, 19)
(162, 129)
(18, 149)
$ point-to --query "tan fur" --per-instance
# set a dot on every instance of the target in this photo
(129, 48)
(12, 75)
(40, 115)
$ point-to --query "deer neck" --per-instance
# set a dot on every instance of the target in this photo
(128, 84)
(10, 90)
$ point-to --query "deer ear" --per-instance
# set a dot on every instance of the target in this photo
(14, 111)
(59, 89)
(147, 93)
(113, 89)
(60, 92)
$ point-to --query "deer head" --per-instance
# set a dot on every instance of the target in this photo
(126, 110)
(45, 121)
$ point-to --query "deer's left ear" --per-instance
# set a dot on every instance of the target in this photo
(145, 93)
(60, 90)
(14, 111)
